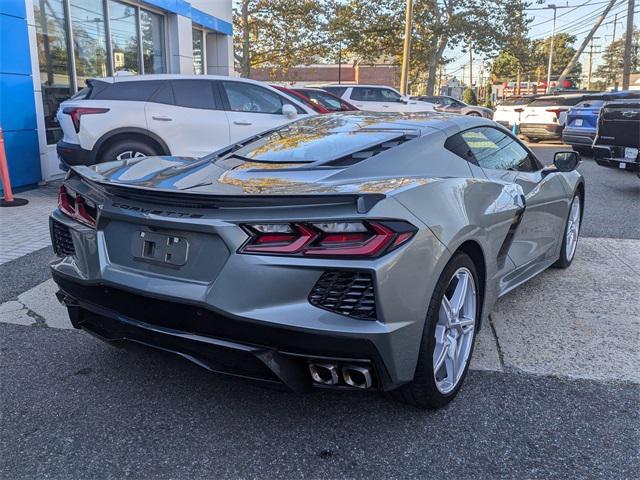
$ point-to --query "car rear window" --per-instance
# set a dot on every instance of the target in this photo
(556, 101)
(590, 104)
(132, 90)
(513, 101)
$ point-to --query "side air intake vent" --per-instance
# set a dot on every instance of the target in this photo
(347, 293)
(356, 157)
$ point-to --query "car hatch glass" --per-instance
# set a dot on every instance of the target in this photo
(303, 144)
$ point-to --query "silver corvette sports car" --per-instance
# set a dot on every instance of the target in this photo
(351, 251)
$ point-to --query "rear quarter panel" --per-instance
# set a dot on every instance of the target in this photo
(459, 210)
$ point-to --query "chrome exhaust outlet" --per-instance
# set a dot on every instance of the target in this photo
(355, 376)
(324, 373)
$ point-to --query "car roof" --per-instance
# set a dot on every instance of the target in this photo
(174, 76)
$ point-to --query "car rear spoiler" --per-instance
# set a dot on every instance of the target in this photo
(363, 202)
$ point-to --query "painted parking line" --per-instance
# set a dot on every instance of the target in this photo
(583, 322)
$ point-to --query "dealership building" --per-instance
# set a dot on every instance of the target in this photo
(49, 48)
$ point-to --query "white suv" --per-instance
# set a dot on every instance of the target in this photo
(190, 115)
(544, 118)
(377, 98)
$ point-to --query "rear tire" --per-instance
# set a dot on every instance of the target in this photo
(430, 388)
(473, 114)
(127, 149)
(571, 233)
(532, 139)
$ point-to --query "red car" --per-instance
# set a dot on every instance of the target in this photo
(320, 100)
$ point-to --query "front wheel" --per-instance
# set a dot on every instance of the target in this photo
(448, 337)
(571, 232)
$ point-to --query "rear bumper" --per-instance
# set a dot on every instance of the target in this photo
(544, 131)
(613, 157)
(216, 342)
(71, 154)
(578, 137)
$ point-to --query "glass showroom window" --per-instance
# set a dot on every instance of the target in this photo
(92, 30)
(89, 39)
(123, 27)
(152, 35)
(198, 51)
(54, 62)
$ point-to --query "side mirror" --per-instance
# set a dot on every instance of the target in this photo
(289, 111)
(566, 161)
(563, 162)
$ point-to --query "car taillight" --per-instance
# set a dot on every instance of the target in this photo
(77, 112)
(358, 239)
(556, 111)
(77, 207)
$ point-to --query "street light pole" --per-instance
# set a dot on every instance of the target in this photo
(406, 50)
(553, 35)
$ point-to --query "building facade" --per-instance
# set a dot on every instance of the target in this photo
(49, 48)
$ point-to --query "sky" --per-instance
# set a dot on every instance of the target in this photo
(576, 20)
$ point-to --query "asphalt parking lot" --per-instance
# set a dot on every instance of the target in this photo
(554, 390)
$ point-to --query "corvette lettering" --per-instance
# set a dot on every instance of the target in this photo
(164, 213)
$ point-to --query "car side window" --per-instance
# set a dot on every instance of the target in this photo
(246, 97)
(389, 95)
(194, 94)
(490, 148)
(365, 94)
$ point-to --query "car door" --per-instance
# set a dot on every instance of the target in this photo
(392, 101)
(252, 109)
(505, 158)
(188, 116)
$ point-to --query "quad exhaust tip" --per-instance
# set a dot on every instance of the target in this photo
(352, 375)
(355, 376)
(324, 373)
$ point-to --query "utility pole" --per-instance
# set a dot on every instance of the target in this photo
(406, 50)
(553, 36)
(340, 62)
(626, 68)
(587, 39)
(470, 64)
(590, 63)
(615, 25)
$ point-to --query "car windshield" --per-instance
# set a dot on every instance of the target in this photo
(329, 102)
(310, 141)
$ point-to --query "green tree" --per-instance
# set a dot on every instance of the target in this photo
(469, 97)
(610, 70)
(372, 30)
(279, 33)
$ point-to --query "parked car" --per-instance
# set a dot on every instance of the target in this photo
(351, 250)
(122, 117)
(582, 120)
(377, 98)
(320, 100)
(509, 111)
(617, 140)
(544, 117)
(447, 104)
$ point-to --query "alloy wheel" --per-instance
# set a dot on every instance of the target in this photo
(454, 331)
(128, 154)
(573, 229)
